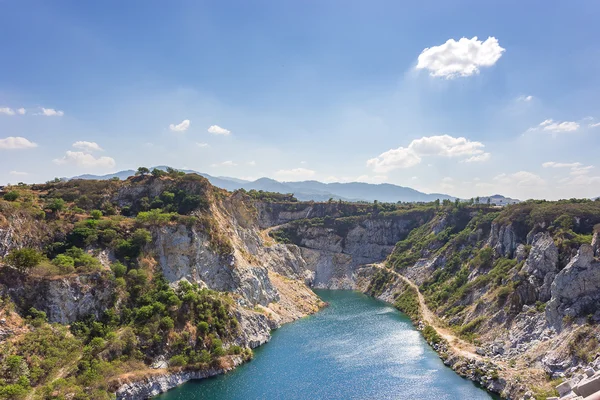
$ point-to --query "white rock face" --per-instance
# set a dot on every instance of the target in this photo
(184, 252)
(542, 264)
(576, 289)
(503, 240)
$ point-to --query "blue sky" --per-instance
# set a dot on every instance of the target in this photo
(327, 90)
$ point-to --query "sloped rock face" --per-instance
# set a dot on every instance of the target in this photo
(542, 264)
(576, 289)
(65, 299)
(185, 253)
(503, 240)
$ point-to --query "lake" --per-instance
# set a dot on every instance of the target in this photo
(357, 348)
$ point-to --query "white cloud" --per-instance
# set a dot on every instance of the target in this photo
(443, 145)
(217, 130)
(581, 180)
(224, 164)
(87, 146)
(252, 163)
(525, 98)
(521, 178)
(294, 174)
(552, 126)
(479, 158)
(21, 111)
(85, 160)
(581, 170)
(447, 179)
(14, 143)
(594, 125)
(460, 58)
(18, 173)
(393, 159)
(202, 145)
(51, 112)
(7, 111)
(181, 127)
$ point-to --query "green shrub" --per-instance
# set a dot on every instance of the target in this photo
(96, 214)
(11, 196)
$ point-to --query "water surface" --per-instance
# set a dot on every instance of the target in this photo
(357, 348)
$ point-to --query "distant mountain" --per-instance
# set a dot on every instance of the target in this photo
(310, 190)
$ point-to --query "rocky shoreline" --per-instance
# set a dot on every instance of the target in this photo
(158, 383)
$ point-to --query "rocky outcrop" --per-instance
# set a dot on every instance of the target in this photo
(503, 240)
(158, 382)
(334, 254)
(541, 265)
(64, 299)
(576, 289)
(186, 253)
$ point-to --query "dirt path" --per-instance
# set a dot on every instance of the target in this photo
(461, 347)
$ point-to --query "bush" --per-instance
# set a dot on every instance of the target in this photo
(118, 269)
(11, 196)
(96, 214)
(24, 259)
(65, 263)
(178, 361)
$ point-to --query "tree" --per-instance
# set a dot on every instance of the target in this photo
(489, 201)
(477, 200)
(55, 205)
(157, 173)
(142, 171)
(24, 259)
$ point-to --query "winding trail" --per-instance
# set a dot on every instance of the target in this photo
(458, 345)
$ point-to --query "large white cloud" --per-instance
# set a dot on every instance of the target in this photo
(442, 145)
(85, 160)
(14, 143)
(460, 58)
(87, 146)
(51, 112)
(217, 130)
(181, 127)
(294, 174)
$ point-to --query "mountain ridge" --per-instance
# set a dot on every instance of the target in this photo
(316, 190)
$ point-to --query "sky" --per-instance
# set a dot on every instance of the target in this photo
(468, 98)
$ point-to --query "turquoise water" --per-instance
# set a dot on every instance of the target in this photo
(357, 348)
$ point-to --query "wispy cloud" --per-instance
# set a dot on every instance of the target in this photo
(7, 111)
(87, 146)
(228, 163)
(51, 112)
(85, 160)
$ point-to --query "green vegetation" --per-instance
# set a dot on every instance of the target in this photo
(24, 259)
(408, 302)
(13, 195)
(189, 324)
